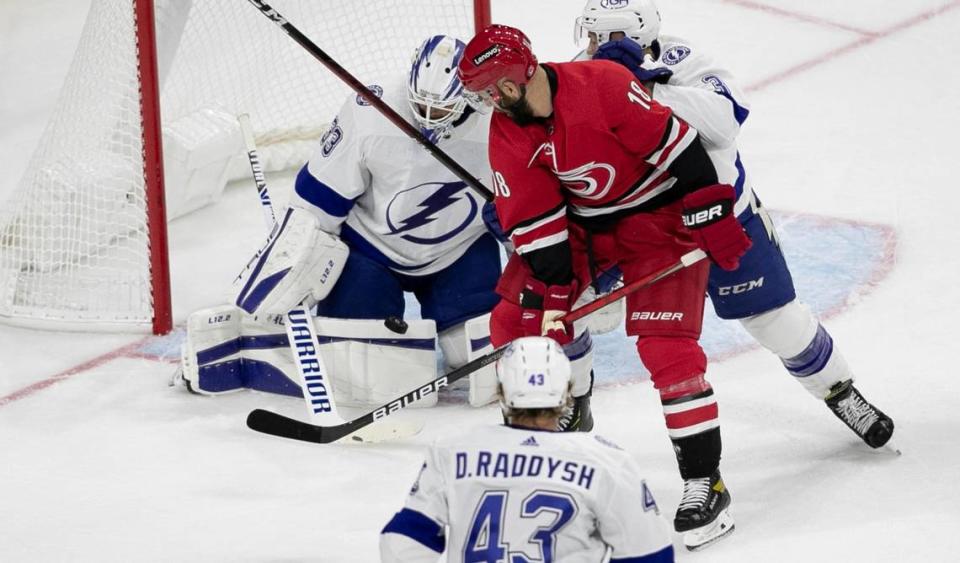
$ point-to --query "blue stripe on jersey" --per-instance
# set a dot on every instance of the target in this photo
(741, 176)
(321, 195)
(418, 527)
(665, 555)
(356, 242)
(740, 113)
(738, 189)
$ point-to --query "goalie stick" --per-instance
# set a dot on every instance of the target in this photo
(304, 345)
(301, 332)
(269, 422)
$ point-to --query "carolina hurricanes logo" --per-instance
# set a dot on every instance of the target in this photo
(593, 180)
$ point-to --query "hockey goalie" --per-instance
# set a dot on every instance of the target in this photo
(373, 217)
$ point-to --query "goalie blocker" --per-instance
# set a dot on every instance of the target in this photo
(368, 361)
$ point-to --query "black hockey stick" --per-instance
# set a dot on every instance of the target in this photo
(372, 99)
(275, 424)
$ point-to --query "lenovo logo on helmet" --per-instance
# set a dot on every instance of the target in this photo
(486, 54)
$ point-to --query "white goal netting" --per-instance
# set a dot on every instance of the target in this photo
(74, 238)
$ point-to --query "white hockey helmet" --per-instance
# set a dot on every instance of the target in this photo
(433, 88)
(638, 19)
(534, 373)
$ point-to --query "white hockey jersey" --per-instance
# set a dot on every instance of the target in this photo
(386, 196)
(707, 97)
(500, 493)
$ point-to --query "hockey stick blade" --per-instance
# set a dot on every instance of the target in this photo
(275, 424)
(358, 430)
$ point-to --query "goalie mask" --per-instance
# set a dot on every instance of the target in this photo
(433, 89)
(534, 373)
(637, 19)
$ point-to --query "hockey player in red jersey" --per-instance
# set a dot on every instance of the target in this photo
(590, 172)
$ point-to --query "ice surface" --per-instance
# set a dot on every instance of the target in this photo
(851, 139)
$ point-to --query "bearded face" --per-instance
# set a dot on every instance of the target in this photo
(517, 107)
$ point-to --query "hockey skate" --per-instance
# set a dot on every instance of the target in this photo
(577, 418)
(866, 420)
(703, 516)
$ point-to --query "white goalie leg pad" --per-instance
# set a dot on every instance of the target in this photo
(604, 320)
(794, 334)
(211, 355)
(299, 262)
(370, 364)
(466, 342)
(580, 354)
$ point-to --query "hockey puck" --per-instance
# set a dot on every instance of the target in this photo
(396, 324)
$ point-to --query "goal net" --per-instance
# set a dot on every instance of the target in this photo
(81, 246)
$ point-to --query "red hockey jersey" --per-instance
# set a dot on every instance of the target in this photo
(605, 151)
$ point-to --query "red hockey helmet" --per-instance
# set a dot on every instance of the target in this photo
(499, 51)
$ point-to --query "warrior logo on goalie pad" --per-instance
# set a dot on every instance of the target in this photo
(442, 198)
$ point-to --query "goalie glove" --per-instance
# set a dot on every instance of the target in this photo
(542, 306)
(299, 263)
(708, 213)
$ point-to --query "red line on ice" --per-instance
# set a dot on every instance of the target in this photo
(122, 352)
(865, 40)
(806, 18)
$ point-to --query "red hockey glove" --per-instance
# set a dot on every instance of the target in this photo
(542, 306)
(708, 213)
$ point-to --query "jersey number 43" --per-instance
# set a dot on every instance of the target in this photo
(485, 540)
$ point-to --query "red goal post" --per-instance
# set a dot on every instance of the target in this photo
(145, 130)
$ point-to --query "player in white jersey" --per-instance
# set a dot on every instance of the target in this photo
(407, 223)
(525, 492)
(760, 293)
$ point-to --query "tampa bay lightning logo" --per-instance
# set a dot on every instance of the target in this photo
(675, 54)
(413, 213)
(377, 91)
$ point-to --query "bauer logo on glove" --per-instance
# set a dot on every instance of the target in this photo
(698, 218)
(708, 213)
